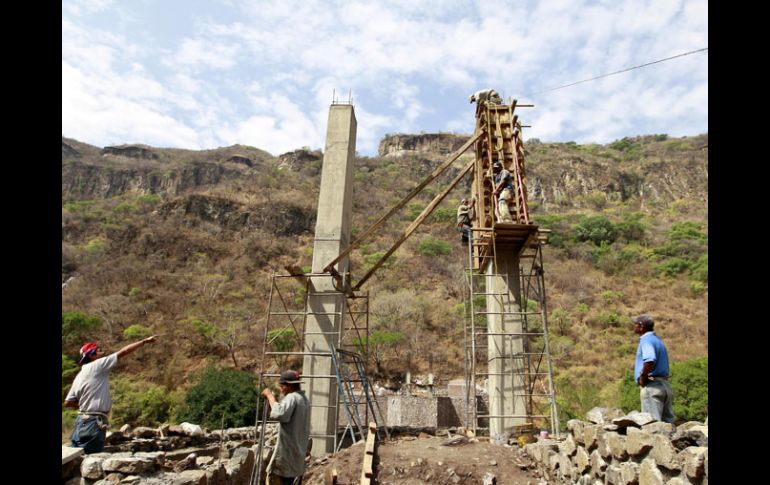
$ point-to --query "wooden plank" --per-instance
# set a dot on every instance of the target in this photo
(69, 453)
(366, 471)
(409, 230)
(438, 171)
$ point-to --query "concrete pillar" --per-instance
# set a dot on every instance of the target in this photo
(326, 304)
(506, 384)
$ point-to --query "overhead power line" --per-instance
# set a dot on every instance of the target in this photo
(618, 72)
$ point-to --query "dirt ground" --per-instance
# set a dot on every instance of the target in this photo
(410, 460)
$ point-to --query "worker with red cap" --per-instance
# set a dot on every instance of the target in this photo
(90, 394)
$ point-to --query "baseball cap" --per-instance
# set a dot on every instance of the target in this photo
(289, 377)
(643, 319)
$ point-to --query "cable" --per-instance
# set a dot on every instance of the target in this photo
(617, 72)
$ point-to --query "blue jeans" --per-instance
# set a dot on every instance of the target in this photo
(88, 433)
(658, 400)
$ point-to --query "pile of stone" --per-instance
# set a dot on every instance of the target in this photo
(174, 455)
(618, 449)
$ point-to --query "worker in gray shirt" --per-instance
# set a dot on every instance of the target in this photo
(293, 414)
(90, 394)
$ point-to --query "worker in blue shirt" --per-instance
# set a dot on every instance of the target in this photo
(651, 371)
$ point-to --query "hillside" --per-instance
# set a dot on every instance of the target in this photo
(182, 243)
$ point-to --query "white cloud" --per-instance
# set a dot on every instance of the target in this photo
(265, 71)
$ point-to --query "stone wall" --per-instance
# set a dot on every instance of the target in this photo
(613, 448)
(172, 455)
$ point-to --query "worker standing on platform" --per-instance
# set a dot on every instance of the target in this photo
(503, 190)
(465, 213)
(287, 465)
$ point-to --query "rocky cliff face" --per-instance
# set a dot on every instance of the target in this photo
(82, 181)
(563, 173)
(92, 173)
(428, 144)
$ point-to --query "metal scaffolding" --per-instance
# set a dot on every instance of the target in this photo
(493, 236)
(284, 347)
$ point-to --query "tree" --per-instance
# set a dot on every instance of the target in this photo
(379, 343)
(596, 229)
(219, 392)
(77, 326)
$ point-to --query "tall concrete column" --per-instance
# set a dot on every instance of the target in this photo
(326, 304)
(506, 384)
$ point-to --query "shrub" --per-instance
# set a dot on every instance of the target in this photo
(77, 326)
(433, 247)
(137, 331)
(414, 210)
(96, 245)
(631, 228)
(69, 369)
(371, 259)
(443, 214)
(219, 392)
(137, 402)
(673, 267)
(596, 229)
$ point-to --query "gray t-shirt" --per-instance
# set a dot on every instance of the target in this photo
(91, 387)
(293, 413)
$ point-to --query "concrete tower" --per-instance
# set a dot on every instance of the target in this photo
(327, 304)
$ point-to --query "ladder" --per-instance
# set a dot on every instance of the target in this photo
(350, 371)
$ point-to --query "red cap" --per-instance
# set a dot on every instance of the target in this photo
(87, 351)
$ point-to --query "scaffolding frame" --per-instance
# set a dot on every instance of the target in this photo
(500, 141)
(284, 345)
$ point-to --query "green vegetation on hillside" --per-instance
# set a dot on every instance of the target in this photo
(187, 248)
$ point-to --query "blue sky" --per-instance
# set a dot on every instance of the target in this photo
(202, 74)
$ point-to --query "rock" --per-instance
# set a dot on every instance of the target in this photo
(130, 465)
(649, 473)
(582, 461)
(659, 427)
(613, 475)
(131, 479)
(603, 415)
(676, 481)
(688, 425)
(692, 459)
(598, 465)
(186, 463)
(191, 477)
(638, 441)
(664, 453)
(568, 446)
(125, 429)
(629, 472)
(590, 432)
(203, 460)
(634, 418)
(575, 427)
(492, 463)
(489, 479)
(91, 467)
(693, 436)
(190, 429)
(610, 427)
(144, 432)
(457, 440)
(617, 445)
